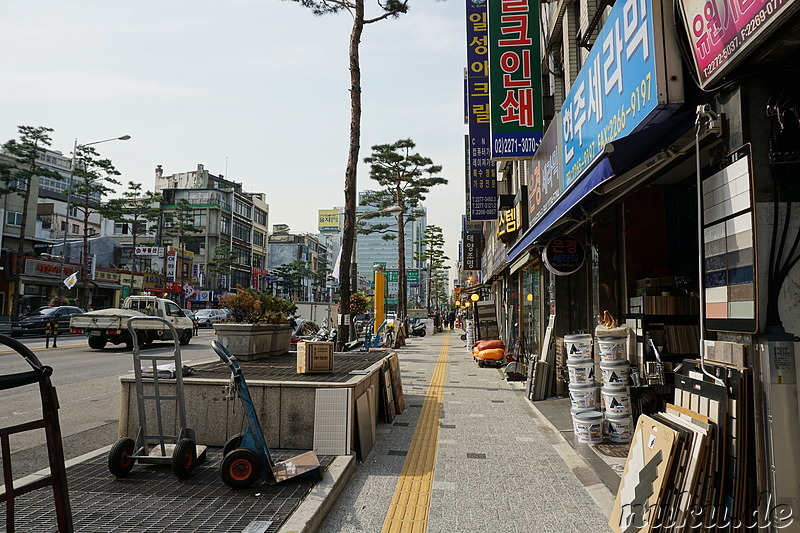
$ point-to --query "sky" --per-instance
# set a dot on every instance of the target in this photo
(256, 90)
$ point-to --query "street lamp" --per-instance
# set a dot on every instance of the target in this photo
(393, 210)
(69, 195)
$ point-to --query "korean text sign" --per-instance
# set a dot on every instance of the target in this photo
(616, 91)
(546, 178)
(515, 78)
(482, 172)
(720, 31)
(472, 251)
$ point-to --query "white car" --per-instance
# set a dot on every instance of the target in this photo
(206, 318)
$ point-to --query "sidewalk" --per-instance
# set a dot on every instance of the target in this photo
(497, 463)
(469, 453)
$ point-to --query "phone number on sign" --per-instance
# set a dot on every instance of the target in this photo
(526, 146)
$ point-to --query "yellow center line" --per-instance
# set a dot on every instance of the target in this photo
(412, 496)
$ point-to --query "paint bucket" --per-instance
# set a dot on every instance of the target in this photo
(617, 400)
(579, 347)
(581, 372)
(582, 397)
(615, 375)
(620, 428)
(588, 426)
(612, 349)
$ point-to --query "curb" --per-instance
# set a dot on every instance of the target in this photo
(308, 517)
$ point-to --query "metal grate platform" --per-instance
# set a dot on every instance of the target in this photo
(153, 499)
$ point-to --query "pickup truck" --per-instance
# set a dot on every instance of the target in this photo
(111, 325)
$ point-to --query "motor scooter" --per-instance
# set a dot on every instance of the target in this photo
(419, 329)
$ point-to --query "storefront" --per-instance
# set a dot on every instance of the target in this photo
(42, 280)
(105, 288)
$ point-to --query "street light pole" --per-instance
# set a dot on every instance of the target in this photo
(69, 197)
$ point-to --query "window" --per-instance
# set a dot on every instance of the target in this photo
(242, 209)
(242, 256)
(173, 310)
(13, 218)
(258, 238)
(259, 216)
(120, 228)
(73, 212)
(240, 278)
(199, 219)
(241, 232)
(75, 228)
(225, 225)
(63, 226)
(258, 261)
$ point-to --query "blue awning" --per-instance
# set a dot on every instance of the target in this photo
(620, 156)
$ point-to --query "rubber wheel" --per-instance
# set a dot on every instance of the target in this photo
(97, 343)
(481, 363)
(186, 337)
(119, 461)
(184, 458)
(240, 468)
(233, 443)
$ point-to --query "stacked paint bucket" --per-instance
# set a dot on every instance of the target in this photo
(586, 419)
(616, 394)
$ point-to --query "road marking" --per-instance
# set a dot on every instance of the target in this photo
(412, 496)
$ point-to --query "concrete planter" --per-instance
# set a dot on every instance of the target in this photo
(249, 342)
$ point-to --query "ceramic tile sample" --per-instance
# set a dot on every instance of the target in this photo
(333, 421)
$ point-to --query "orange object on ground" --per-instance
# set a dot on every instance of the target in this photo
(489, 344)
(492, 354)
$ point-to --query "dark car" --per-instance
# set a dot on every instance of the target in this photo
(302, 329)
(36, 321)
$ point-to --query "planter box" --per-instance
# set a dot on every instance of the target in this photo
(254, 341)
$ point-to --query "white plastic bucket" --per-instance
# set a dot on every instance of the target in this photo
(582, 397)
(612, 349)
(588, 426)
(617, 400)
(579, 347)
(615, 375)
(620, 428)
(581, 372)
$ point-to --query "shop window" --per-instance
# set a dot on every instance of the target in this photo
(530, 309)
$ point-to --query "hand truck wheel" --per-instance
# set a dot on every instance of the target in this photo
(120, 462)
(233, 443)
(240, 468)
(184, 458)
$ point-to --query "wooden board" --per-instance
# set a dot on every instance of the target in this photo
(397, 384)
(643, 480)
(387, 396)
(365, 424)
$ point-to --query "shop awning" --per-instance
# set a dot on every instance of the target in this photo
(620, 156)
(105, 285)
(39, 280)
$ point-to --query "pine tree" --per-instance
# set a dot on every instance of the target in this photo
(406, 178)
(18, 178)
(433, 256)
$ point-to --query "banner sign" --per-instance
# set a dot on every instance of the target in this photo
(472, 251)
(172, 265)
(149, 250)
(38, 267)
(482, 172)
(619, 90)
(91, 265)
(546, 180)
(720, 32)
(515, 78)
(328, 220)
(109, 276)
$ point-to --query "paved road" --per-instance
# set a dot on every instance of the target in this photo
(469, 454)
(87, 384)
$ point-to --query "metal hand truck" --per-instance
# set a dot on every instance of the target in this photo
(179, 450)
(52, 430)
(246, 457)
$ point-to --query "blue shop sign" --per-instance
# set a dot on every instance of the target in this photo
(620, 88)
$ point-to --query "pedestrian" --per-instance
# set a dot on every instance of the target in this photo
(451, 318)
(437, 322)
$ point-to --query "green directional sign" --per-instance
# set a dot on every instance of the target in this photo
(391, 301)
(412, 276)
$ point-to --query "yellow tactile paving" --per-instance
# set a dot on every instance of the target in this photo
(408, 512)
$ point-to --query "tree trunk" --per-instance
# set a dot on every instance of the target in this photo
(350, 179)
(86, 273)
(402, 299)
(15, 311)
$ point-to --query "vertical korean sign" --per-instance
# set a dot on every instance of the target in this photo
(482, 173)
(515, 78)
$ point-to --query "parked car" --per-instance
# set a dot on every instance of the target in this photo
(36, 321)
(206, 318)
(302, 329)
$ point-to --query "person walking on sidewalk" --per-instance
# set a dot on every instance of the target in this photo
(451, 319)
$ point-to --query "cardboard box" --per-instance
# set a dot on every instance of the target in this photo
(314, 357)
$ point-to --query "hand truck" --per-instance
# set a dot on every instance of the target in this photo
(179, 450)
(246, 457)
